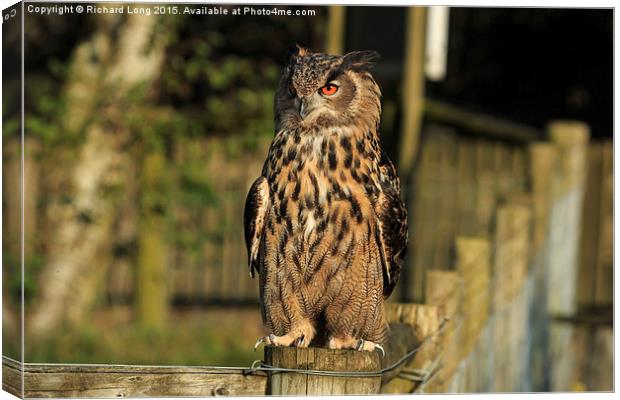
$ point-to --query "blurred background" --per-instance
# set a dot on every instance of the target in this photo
(144, 133)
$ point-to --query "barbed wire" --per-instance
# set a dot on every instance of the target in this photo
(422, 376)
(257, 366)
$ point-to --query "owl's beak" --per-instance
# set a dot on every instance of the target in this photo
(304, 106)
(300, 106)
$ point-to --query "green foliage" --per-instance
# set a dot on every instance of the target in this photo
(33, 265)
(10, 126)
(45, 105)
(196, 189)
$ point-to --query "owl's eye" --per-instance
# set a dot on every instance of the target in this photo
(329, 89)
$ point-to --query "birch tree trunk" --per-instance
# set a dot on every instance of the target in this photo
(117, 58)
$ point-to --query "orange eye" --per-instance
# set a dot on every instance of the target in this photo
(329, 89)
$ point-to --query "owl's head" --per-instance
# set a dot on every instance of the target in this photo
(321, 90)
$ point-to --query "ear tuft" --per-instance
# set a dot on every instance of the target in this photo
(295, 50)
(360, 60)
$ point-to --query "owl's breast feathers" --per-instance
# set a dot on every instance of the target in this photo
(335, 186)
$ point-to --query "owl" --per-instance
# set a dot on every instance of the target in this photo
(325, 227)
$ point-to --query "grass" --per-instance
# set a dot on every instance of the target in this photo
(221, 337)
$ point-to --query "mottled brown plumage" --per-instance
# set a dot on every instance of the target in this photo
(324, 223)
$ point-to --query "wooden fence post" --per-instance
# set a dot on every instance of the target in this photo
(336, 16)
(410, 324)
(444, 289)
(412, 327)
(571, 140)
(596, 257)
(292, 383)
(412, 113)
(594, 335)
(413, 89)
(605, 260)
(152, 285)
(542, 164)
(426, 321)
(473, 262)
(510, 268)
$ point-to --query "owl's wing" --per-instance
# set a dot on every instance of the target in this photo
(254, 215)
(392, 233)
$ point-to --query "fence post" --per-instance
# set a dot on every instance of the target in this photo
(571, 140)
(542, 164)
(293, 383)
(152, 286)
(413, 89)
(336, 16)
(425, 321)
(473, 263)
(410, 326)
(445, 290)
(509, 297)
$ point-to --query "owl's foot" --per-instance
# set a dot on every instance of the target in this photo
(299, 337)
(355, 344)
(267, 340)
(285, 341)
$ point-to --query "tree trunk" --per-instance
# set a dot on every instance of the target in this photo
(116, 59)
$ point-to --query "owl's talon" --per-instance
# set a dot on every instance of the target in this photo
(268, 340)
(365, 345)
(258, 342)
(380, 348)
(299, 341)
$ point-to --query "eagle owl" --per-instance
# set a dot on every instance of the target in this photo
(325, 227)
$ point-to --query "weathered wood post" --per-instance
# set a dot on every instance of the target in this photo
(411, 124)
(336, 16)
(425, 322)
(509, 306)
(413, 88)
(570, 139)
(473, 256)
(152, 304)
(444, 289)
(407, 329)
(319, 359)
(542, 157)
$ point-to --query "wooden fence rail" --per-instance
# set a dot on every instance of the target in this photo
(75, 380)
(365, 373)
